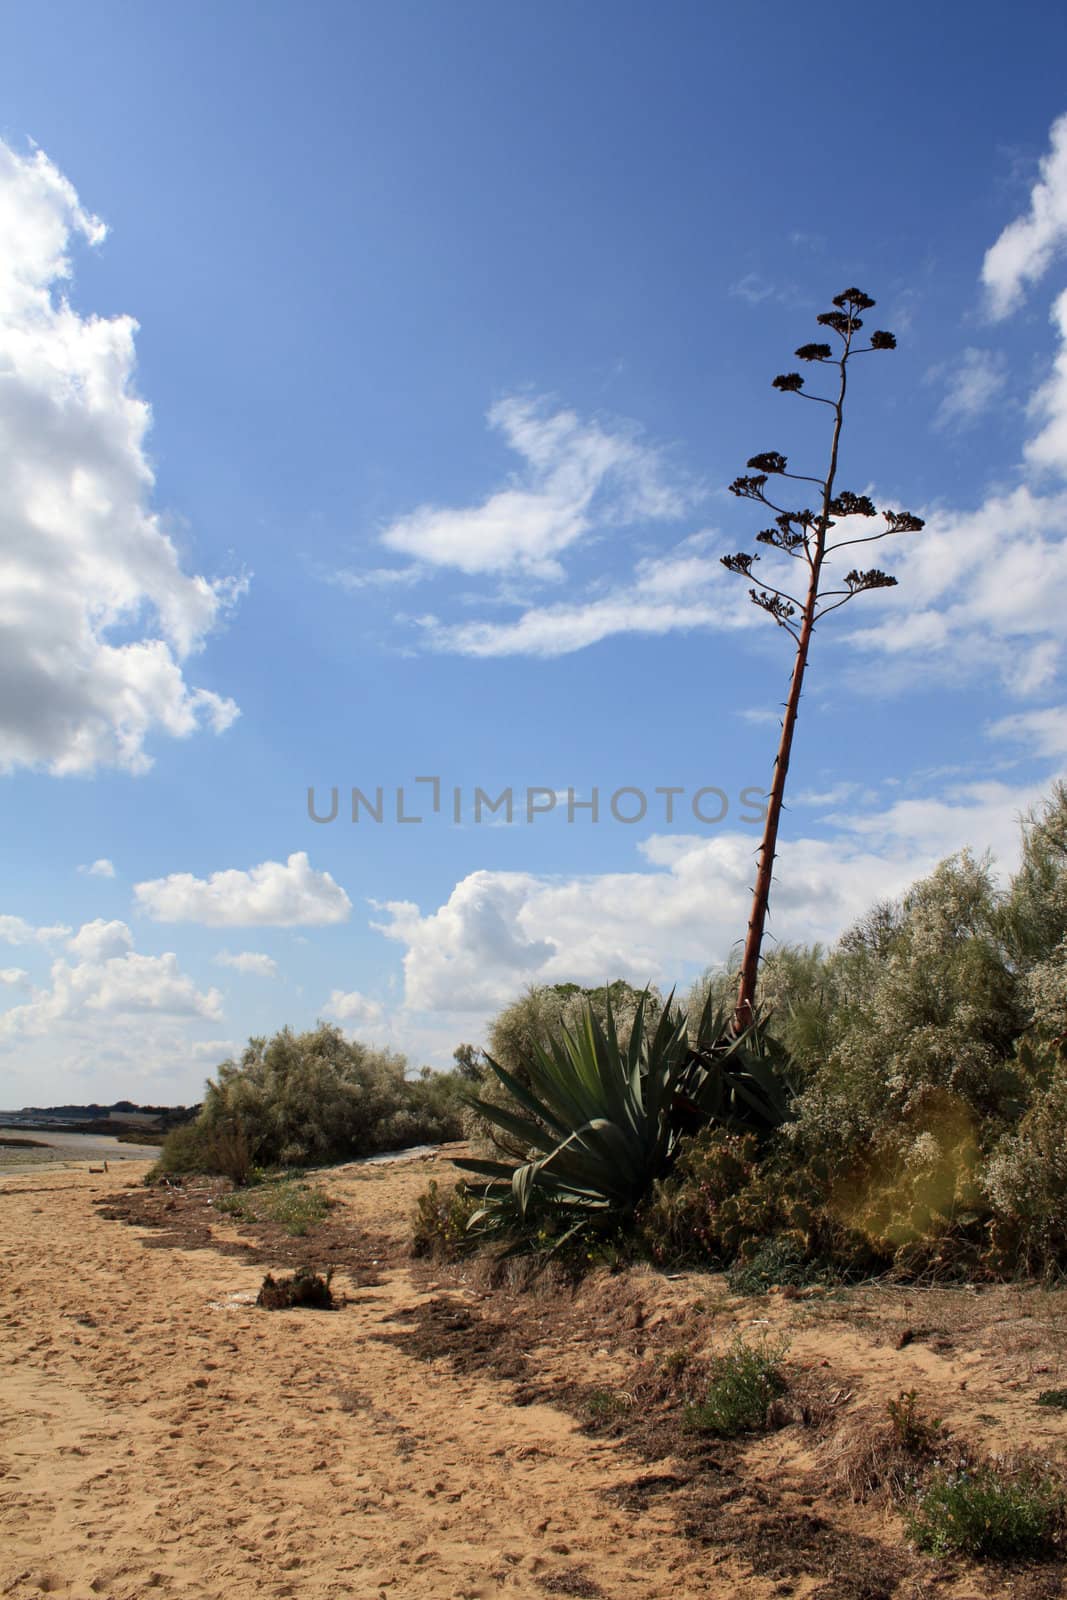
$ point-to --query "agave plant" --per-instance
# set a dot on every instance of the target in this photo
(599, 1123)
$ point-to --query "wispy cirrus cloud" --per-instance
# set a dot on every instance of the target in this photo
(1044, 732)
(1028, 245)
(757, 290)
(576, 476)
(971, 384)
(252, 963)
(669, 594)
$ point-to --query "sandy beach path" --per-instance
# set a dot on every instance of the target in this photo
(159, 1438)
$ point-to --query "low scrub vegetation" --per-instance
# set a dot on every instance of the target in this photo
(295, 1206)
(898, 1108)
(743, 1383)
(987, 1512)
(301, 1099)
(441, 1222)
(595, 1120)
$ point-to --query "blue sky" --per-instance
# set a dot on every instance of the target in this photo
(370, 381)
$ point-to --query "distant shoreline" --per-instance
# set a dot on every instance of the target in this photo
(66, 1146)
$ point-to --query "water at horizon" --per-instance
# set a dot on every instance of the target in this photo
(67, 1149)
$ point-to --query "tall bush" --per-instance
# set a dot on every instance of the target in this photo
(301, 1098)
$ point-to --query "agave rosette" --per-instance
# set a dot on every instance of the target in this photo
(600, 1122)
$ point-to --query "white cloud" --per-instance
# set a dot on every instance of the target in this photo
(577, 475)
(378, 577)
(458, 957)
(1028, 245)
(100, 940)
(83, 553)
(250, 962)
(14, 978)
(354, 1007)
(683, 909)
(756, 290)
(214, 1050)
(820, 798)
(273, 895)
(668, 594)
(103, 868)
(971, 386)
(979, 590)
(1047, 451)
(109, 991)
(14, 930)
(1045, 731)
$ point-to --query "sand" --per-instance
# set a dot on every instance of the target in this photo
(161, 1436)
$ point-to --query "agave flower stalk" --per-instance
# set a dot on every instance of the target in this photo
(804, 536)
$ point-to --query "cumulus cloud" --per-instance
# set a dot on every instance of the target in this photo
(14, 978)
(275, 894)
(102, 868)
(250, 962)
(15, 930)
(681, 909)
(100, 940)
(971, 385)
(354, 1007)
(1027, 246)
(109, 984)
(576, 475)
(84, 554)
(980, 589)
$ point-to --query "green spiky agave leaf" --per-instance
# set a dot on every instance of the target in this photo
(608, 1121)
(635, 1049)
(530, 1134)
(537, 1107)
(579, 1075)
(484, 1168)
(665, 1066)
(612, 1084)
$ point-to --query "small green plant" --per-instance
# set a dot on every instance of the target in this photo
(1057, 1398)
(986, 1512)
(294, 1206)
(603, 1405)
(440, 1224)
(913, 1432)
(743, 1383)
(778, 1261)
